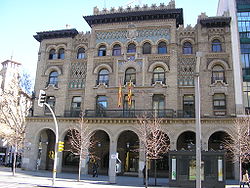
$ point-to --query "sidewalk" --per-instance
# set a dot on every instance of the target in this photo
(28, 179)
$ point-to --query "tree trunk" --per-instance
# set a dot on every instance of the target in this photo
(155, 172)
(146, 174)
(80, 166)
(14, 161)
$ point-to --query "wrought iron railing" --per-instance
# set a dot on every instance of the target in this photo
(72, 113)
(133, 113)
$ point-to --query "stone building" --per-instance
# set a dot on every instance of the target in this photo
(149, 46)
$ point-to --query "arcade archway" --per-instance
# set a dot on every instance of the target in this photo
(128, 152)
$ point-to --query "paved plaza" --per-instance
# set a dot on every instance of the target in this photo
(28, 179)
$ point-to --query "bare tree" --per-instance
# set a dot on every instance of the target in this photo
(81, 142)
(14, 108)
(237, 144)
(155, 142)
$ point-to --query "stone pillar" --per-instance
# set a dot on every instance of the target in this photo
(59, 162)
(84, 167)
(141, 161)
(112, 161)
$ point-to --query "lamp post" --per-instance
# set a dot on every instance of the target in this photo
(197, 119)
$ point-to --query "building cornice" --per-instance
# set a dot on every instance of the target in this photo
(132, 120)
(136, 16)
(64, 33)
(215, 21)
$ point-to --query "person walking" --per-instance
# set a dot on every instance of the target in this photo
(95, 169)
(245, 179)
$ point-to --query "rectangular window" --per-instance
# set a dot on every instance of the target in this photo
(219, 103)
(51, 101)
(128, 110)
(188, 106)
(101, 105)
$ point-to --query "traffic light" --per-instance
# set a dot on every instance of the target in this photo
(60, 146)
(41, 98)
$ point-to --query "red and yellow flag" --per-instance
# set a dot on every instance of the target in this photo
(120, 95)
(129, 94)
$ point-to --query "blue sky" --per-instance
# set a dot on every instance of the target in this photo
(21, 19)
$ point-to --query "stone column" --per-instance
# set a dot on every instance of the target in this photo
(141, 161)
(59, 162)
(112, 161)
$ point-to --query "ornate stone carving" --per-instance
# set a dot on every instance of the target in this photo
(186, 67)
(123, 36)
(77, 75)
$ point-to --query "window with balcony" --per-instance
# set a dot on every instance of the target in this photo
(128, 109)
(146, 48)
(116, 50)
(51, 101)
(131, 48)
(130, 75)
(216, 46)
(219, 104)
(158, 105)
(76, 106)
(81, 53)
(188, 106)
(61, 53)
(187, 48)
(218, 73)
(53, 78)
(52, 54)
(162, 48)
(103, 77)
(101, 105)
(102, 50)
(158, 75)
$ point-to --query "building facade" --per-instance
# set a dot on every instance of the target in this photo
(148, 49)
(239, 11)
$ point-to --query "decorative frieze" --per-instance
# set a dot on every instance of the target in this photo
(153, 34)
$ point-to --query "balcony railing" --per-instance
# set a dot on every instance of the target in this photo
(72, 113)
(133, 113)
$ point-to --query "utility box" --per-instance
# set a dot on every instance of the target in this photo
(182, 169)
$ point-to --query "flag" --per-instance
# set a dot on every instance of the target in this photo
(120, 95)
(129, 94)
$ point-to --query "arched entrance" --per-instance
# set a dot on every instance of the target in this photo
(46, 147)
(186, 141)
(215, 142)
(70, 158)
(128, 152)
(99, 152)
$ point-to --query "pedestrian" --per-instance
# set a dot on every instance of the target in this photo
(144, 174)
(95, 169)
(245, 179)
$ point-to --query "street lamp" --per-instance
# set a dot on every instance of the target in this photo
(198, 119)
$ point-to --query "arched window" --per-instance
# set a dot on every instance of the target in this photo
(158, 105)
(218, 73)
(131, 48)
(187, 48)
(102, 50)
(116, 50)
(130, 75)
(162, 48)
(103, 77)
(52, 54)
(81, 53)
(61, 53)
(216, 46)
(158, 75)
(146, 49)
(53, 78)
